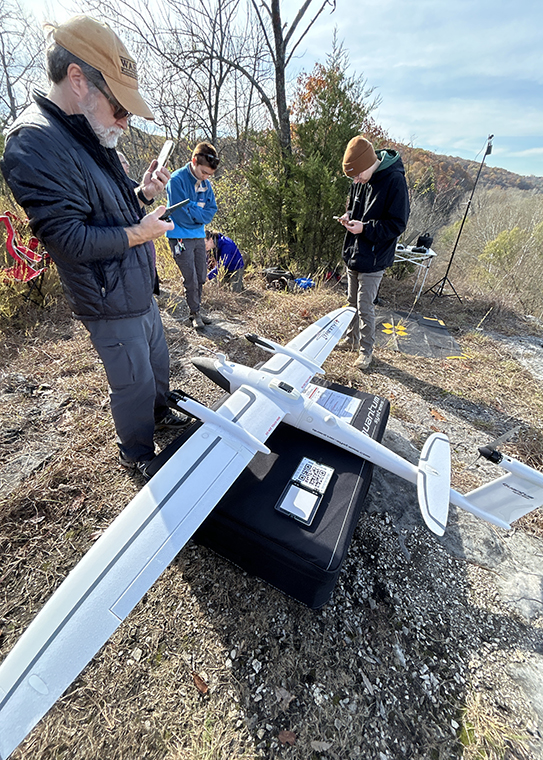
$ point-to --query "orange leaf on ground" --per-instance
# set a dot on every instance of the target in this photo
(437, 415)
(200, 684)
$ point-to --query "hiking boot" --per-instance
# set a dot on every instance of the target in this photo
(196, 321)
(205, 319)
(140, 467)
(363, 361)
(172, 421)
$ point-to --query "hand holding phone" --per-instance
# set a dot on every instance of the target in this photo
(166, 215)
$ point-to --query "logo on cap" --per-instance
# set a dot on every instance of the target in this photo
(128, 68)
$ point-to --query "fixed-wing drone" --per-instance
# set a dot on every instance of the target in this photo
(132, 553)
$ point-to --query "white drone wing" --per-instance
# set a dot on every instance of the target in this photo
(124, 563)
(308, 350)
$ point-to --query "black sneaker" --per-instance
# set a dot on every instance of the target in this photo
(172, 421)
(196, 321)
(199, 320)
(140, 467)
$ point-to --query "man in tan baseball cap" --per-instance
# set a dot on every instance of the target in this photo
(98, 46)
(62, 167)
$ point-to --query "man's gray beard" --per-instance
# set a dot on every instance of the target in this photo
(108, 136)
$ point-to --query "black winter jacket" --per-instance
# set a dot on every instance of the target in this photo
(78, 210)
(382, 204)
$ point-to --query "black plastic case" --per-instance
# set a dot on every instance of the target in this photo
(245, 528)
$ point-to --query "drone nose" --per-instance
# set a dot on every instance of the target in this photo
(209, 369)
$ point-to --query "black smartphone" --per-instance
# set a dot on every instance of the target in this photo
(166, 215)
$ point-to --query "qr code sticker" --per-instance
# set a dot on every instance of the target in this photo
(313, 475)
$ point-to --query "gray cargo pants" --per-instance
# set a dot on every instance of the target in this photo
(362, 290)
(193, 265)
(137, 365)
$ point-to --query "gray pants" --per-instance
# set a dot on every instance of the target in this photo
(136, 361)
(193, 265)
(362, 290)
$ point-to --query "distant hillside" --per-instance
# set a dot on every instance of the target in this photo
(452, 170)
(493, 176)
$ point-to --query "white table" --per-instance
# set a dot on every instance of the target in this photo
(421, 259)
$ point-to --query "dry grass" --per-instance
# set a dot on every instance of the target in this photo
(138, 698)
(485, 737)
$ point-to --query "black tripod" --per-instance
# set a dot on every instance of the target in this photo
(437, 289)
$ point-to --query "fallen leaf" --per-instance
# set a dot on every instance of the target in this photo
(437, 415)
(36, 520)
(321, 746)
(305, 314)
(199, 682)
(287, 737)
(97, 533)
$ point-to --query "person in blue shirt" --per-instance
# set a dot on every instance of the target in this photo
(228, 260)
(187, 238)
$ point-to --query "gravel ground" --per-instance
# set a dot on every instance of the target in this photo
(528, 349)
(419, 651)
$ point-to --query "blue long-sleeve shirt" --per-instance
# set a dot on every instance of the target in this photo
(228, 257)
(191, 219)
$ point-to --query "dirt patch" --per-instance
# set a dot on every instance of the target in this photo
(416, 655)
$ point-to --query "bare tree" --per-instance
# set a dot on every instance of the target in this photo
(21, 59)
(281, 45)
(203, 49)
(187, 52)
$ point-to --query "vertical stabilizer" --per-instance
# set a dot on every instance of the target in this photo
(434, 482)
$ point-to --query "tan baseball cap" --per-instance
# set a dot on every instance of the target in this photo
(359, 156)
(98, 45)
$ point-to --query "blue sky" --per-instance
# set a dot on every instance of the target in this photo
(448, 73)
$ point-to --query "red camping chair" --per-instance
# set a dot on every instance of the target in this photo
(30, 265)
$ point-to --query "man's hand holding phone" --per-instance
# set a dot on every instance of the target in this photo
(154, 180)
(165, 216)
(150, 227)
(350, 224)
(157, 175)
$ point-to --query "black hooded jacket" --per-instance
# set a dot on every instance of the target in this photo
(382, 204)
(78, 200)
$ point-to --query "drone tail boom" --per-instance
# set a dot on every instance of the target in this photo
(432, 475)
